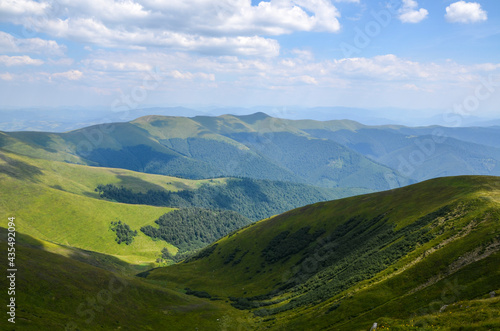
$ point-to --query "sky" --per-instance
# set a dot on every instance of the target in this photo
(415, 55)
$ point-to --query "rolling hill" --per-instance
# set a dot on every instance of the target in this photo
(60, 202)
(253, 146)
(395, 256)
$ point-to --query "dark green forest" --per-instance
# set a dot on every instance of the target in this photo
(255, 199)
(190, 229)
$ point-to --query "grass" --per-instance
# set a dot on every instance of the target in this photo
(56, 201)
(74, 257)
(409, 286)
(58, 292)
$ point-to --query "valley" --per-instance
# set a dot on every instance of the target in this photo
(331, 236)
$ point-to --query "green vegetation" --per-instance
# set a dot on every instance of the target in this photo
(57, 288)
(255, 199)
(194, 228)
(424, 256)
(56, 201)
(390, 257)
(207, 147)
(285, 244)
(123, 232)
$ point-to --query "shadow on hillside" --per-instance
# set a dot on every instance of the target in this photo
(130, 181)
(18, 169)
(95, 259)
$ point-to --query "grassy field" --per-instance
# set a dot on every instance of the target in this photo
(57, 202)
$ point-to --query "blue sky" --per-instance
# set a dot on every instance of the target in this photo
(414, 54)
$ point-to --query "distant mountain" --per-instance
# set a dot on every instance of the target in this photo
(254, 146)
(334, 154)
(424, 152)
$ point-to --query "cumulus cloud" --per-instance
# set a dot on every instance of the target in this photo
(465, 12)
(11, 44)
(14, 8)
(214, 27)
(70, 75)
(409, 12)
(19, 60)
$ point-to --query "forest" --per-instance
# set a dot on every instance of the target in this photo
(252, 198)
(190, 229)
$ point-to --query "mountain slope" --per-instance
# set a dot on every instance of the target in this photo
(60, 202)
(58, 288)
(255, 146)
(330, 154)
(343, 265)
(424, 153)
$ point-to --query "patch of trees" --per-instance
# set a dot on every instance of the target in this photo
(355, 251)
(193, 228)
(123, 232)
(199, 294)
(255, 199)
(285, 244)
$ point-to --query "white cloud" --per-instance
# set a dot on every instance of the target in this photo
(211, 27)
(70, 75)
(6, 76)
(409, 12)
(108, 65)
(465, 12)
(190, 76)
(11, 44)
(22, 7)
(19, 60)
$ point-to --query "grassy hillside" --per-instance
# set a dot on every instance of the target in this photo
(58, 201)
(395, 256)
(423, 257)
(57, 288)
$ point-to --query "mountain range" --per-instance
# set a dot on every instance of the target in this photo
(251, 223)
(334, 154)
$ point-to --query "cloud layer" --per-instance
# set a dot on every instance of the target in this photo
(215, 27)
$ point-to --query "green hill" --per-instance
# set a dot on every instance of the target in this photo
(334, 154)
(258, 147)
(63, 288)
(394, 256)
(423, 257)
(58, 201)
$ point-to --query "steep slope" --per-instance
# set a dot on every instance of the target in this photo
(345, 264)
